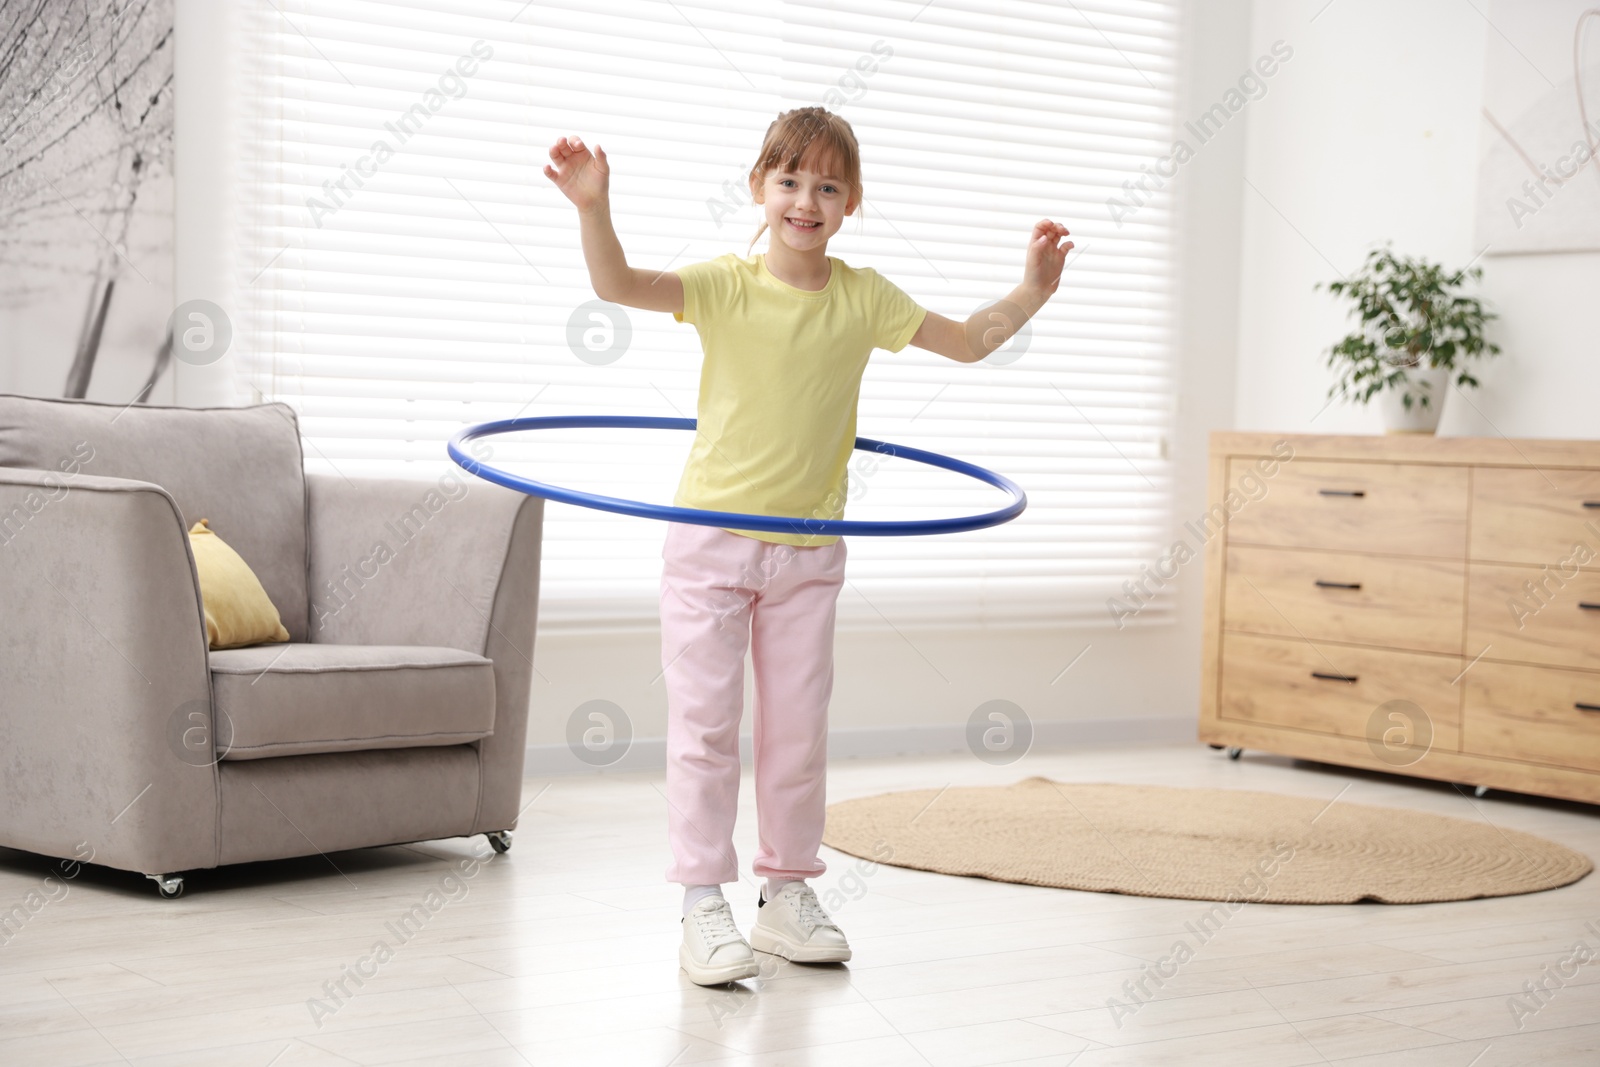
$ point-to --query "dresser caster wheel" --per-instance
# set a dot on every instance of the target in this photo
(1235, 753)
(170, 886)
(499, 840)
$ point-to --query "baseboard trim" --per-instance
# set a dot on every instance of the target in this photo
(649, 754)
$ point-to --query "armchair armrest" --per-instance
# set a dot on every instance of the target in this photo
(452, 562)
(103, 662)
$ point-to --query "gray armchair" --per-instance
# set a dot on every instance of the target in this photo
(396, 712)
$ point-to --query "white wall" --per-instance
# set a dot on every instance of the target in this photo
(1372, 132)
(204, 66)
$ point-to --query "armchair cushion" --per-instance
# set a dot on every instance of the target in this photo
(297, 699)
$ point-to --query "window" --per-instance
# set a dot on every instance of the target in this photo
(406, 269)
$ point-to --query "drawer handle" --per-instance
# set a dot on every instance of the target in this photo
(1351, 678)
(1591, 503)
(1585, 605)
(1350, 585)
(1581, 706)
(1363, 492)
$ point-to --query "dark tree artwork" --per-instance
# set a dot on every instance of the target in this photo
(85, 173)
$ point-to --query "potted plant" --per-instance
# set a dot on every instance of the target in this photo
(1415, 333)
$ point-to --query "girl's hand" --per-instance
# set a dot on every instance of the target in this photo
(1042, 270)
(584, 178)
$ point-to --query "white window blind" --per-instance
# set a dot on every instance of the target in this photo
(393, 298)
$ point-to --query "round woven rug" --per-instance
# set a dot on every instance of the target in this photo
(1198, 844)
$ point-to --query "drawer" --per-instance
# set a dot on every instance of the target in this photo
(1535, 516)
(1394, 602)
(1391, 508)
(1534, 614)
(1282, 682)
(1536, 714)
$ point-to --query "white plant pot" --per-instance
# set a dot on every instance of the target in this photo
(1432, 382)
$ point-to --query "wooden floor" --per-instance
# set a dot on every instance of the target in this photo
(565, 952)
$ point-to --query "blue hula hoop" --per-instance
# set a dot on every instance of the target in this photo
(733, 519)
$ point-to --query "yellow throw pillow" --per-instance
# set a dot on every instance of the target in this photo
(238, 610)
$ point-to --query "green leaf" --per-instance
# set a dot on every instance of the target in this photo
(1411, 313)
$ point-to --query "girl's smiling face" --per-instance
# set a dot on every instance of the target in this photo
(794, 199)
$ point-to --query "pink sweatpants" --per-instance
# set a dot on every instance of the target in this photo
(722, 593)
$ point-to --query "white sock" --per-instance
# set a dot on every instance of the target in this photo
(693, 894)
(773, 885)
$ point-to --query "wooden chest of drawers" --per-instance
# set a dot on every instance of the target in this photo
(1418, 605)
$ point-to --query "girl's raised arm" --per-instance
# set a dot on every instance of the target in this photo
(585, 179)
(994, 324)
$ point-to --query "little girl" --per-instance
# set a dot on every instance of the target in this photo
(786, 336)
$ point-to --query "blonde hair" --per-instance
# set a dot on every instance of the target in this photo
(793, 134)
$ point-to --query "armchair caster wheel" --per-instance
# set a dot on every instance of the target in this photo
(499, 840)
(1235, 753)
(170, 886)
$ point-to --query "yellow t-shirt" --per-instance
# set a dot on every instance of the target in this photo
(779, 385)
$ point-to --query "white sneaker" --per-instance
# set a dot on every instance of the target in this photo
(713, 950)
(794, 926)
